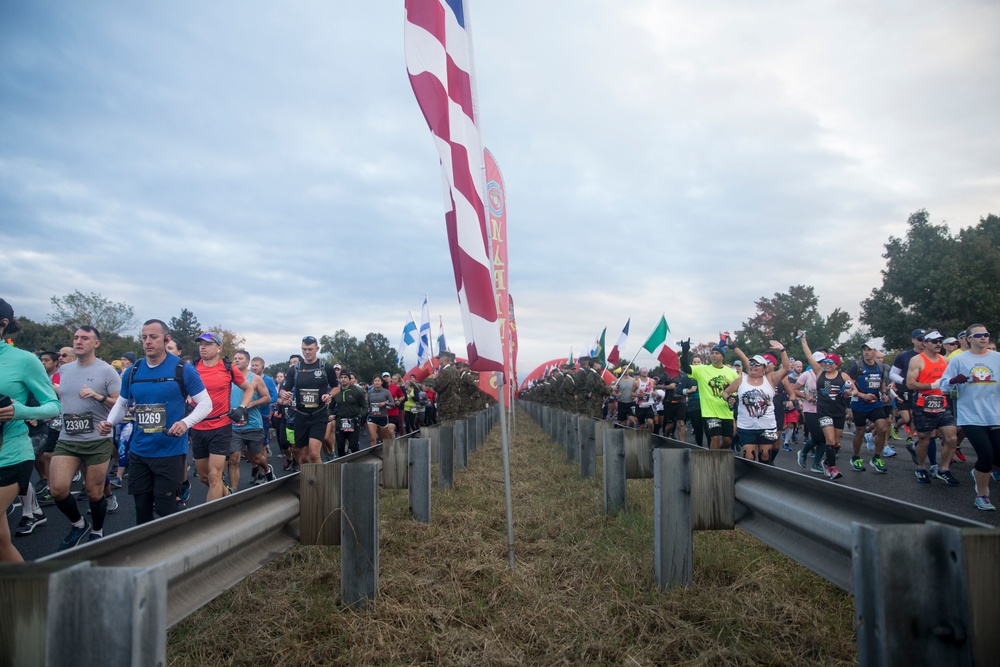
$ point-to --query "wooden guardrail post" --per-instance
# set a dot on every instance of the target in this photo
(434, 434)
(359, 534)
(903, 620)
(638, 454)
(572, 438)
(614, 471)
(446, 457)
(982, 580)
(319, 502)
(461, 444)
(420, 479)
(394, 462)
(588, 449)
(692, 490)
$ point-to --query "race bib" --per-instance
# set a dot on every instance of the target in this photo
(771, 435)
(376, 409)
(346, 425)
(413, 409)
(309, 398)
(56, 424)
(714, 423)
(78, 424)
(934, 403)
(151, 417)
(826, 421)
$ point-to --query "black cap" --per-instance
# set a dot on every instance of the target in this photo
(918, 334)
(130, 356)
(7, 313)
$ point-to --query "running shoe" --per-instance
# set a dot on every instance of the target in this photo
(870, 442)
(112, 504)
(28, 523)
(946, 477)
(922, 476)
(888, 451)
(831, 472)
(878, 464)
(184, 490)
(912, 449)
(983, 503)
(858, 464)
(288, 464)
(894, 434)
(959, 455)
(45, 498)
(786, 447)
(269, 476)
(116, 483)
(77, 477)
(996, 475)
(934, 470)
(800, 456)
(818, 469)
(254, 476)
(41, 485)
(94, 537)
(75, 536)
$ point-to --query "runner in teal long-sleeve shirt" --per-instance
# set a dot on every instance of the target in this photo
(21, 373)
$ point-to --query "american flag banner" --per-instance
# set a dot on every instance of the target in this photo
(439, 62)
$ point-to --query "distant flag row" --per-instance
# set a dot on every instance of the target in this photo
(655, 344)
(420, 337)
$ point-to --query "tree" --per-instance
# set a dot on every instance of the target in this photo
(783, 315)
(36, 337)
(367, 358)
(185, 330)
(76, 309)
(231, 342)
(935, 279)
(339, 348)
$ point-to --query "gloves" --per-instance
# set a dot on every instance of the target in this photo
(685, 345)
(239, 415)
(959, 379)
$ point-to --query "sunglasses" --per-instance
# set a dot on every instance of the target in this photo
(754, 364)
(827, 362)
(63, 356)
(984, 334)
(309, 340)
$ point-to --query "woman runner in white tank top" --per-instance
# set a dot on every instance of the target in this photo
(756, 426)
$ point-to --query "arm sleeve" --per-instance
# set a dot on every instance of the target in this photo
(202, 408)
(896, 377)
(118, 411)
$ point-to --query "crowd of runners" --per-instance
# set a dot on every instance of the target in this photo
(935, 396)
(139, 421)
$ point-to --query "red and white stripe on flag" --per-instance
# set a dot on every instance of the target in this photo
(439, 62)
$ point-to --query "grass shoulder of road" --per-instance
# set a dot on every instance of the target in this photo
(583, 591)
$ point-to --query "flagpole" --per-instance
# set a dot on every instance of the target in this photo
(505, 450)
(626, 367)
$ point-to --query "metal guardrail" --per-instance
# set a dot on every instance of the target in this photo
(207, 549)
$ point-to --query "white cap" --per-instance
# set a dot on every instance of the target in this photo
(818, 356)
(871, 345)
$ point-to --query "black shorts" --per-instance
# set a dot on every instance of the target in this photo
(378, 420)
(642, 414)
(625, 410)
(310, 427)
(19, 473)
(925, 422)
(159, 476)
(836, 421)
(714, 426)
(757, 436)
(862, 418)
(215, 441)
(674, 412)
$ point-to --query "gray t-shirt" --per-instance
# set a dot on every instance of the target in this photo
(376, 396)
(625, 387)
(81, 415)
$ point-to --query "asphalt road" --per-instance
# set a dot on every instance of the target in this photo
(899, 483)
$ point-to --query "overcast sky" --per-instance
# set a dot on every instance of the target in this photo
(266, 165)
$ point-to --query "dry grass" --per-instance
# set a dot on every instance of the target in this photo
(583, 591)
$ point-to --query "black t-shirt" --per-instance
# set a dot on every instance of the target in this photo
(308, 383)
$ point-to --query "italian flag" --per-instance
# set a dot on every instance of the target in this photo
(658, 341)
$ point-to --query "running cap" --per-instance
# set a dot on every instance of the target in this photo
(834, 358)
(337, 366)
(759, 359)
(7, 313)
(718, 348)
(933, 335)
(643, 370)
(130, 356)
(386, 374)
(963, 334)
(818, 356)
(771, 358)
(211, 337)
(871, 345)
(918, 334)
(950, 340)
(737, 363)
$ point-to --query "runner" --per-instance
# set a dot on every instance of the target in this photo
(975, 374)
(644, 399)
(813, 438)
(212, 437)
(310, 385)
(380, 401)
(930, 410)
(158, 386)
(868, 405)
(21, 374)
(832, 387)
(249, 435)
(712, 379)
(89, 388)
(352, 406)
(898, 375)
(755, 391)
